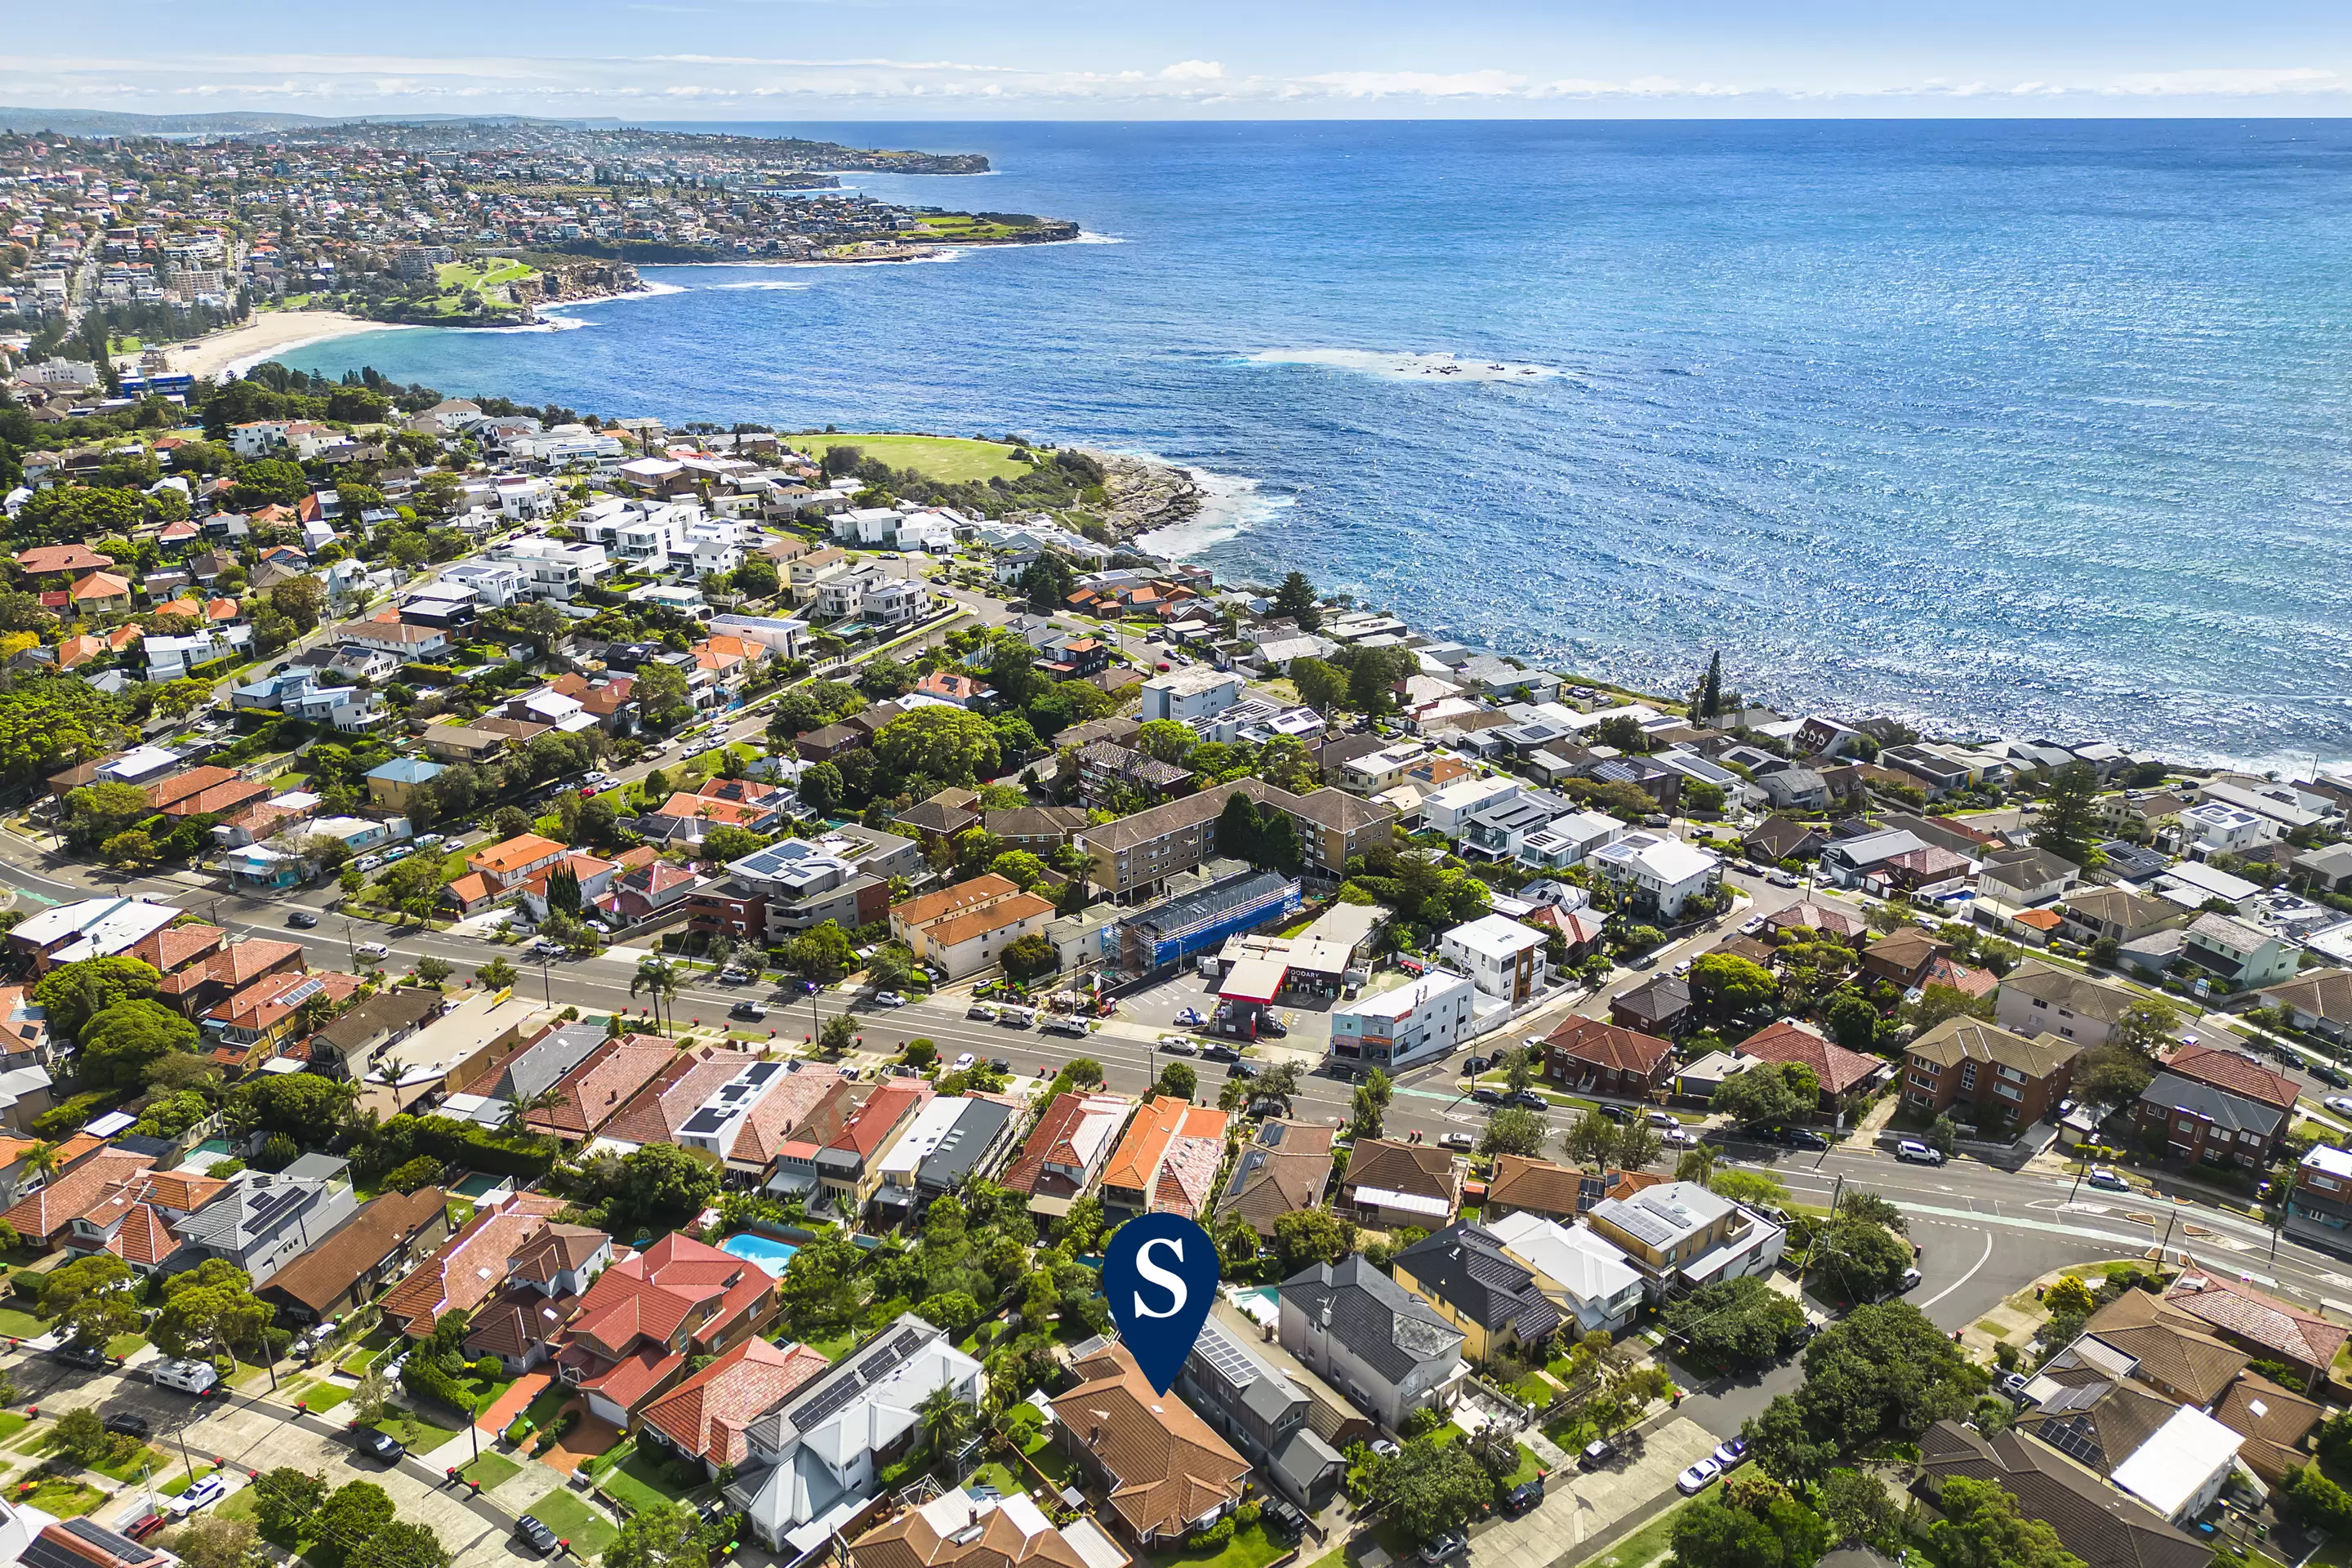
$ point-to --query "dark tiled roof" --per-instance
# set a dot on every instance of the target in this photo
(1388, 1327)
(2095, 1521)
(2227, 1112)
(1468, 1269)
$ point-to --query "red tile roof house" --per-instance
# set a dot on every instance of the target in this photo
(1602, 1059)
(198, 987)
(467, 1268)
(604, 1082)
(704, 1416)
(645, 1315)
(1841, 1071)
(133, 1219)
(42, 1218)
(657, 1112)
(546, 1275)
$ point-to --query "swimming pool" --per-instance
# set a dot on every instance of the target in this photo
(1263, 1304)
(768, 1253)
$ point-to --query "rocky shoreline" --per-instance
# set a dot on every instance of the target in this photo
(1144, 495)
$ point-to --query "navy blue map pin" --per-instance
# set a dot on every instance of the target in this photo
(1160, 1274)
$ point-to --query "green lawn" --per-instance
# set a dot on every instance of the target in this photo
(1251, 1548)
(1644, 1547)
(836, 1347)
(421, 1436)
(122, 1345)
(320, 1396)
(182, 1481)
(127, 1468)
(575, 1519)
(549, 1402)
(61, 1497)
(949, 459)
(490, 1469)
(637, 1478)
(13, 1422)
(17, 1323)
(994, 1473)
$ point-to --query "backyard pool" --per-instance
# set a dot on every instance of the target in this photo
(1264, 1304)
(769, 1254)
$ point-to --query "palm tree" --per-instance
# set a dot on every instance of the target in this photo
(658, 976)
(946, 1419)
(1697, 1164)
(42, 1161)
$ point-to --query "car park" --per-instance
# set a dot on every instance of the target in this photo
(210, 1489)
(1918, 1153)
(302, 919)
(1698, 1478)
(537, 1536)
(2105, 1177)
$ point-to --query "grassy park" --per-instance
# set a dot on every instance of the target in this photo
(950, 459)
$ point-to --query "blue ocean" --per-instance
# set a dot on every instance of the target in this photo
(2035, 429)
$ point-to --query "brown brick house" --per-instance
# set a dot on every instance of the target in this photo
(1967, 1062)
(1595, 1057)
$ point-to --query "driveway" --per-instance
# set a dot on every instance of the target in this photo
(1582, 1505)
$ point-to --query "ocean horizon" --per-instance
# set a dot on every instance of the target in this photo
(2022, 427)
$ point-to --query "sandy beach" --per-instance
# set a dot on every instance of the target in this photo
(266, 334)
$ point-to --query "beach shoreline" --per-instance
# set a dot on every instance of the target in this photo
(236, 350)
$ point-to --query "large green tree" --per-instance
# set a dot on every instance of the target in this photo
(1430, 1488)
(665, 1535)
(2068, 827)
(1981, 1527)
(1883, 1371)
(1769, 1091)
(120, 1044)
(1295, 598)
(71, 995)
(1736, 1322)
(948, 746)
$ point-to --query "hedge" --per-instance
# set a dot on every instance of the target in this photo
(463, 1143)
(428, 675)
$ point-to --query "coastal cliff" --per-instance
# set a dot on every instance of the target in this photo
(1143, 495)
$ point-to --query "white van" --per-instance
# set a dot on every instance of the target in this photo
(196, 1377)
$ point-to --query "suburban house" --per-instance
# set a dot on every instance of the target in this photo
(1842, 1072)
(2241, 957)
(1165, 1471)
(2100, 1524)
(2319, 1204)
(1594, 1057)
(1166, 1161)
(1501, 956)
(706, 1417)
(1656, 873)
(1067, 1149)
(1595, 1287)
(2117, 914)
(965, 929)
(2235, 1074)
(1476, 1286)
(1391, 1183)
(2233, 1310)
(374, 1246)
(547, 1273)
(1678, 1234)
(979, 1529)
(467, 1268)
(1659, 1005)
(849, 1166)
(1283, 1170)
(1376, 1341)
(1548, 1191)
(813, 1462)
(645, 1315)
(2319, 1000)
(1967, 1062)
(1269, 1419)
(263, 1220)
(2038, 998)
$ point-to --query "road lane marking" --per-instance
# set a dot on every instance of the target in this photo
(1963, 1279)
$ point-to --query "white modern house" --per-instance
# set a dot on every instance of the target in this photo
(814, 1459)
(1501, 956)
(1190, 695)
(1657, 871)
(1582, 1274)
(556, 569)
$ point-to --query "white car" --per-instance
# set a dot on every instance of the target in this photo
(1178, 1044)
(1918, 1153)
(427, 841)
(963, 1062)
(212, 1488)
(1679, 1138)
(888, 999)
(373, 950)
(1752, 927)
(1910, 1277)
(2105, 1177)
(367, 863)
(1696, 1480)
(2339, 1103)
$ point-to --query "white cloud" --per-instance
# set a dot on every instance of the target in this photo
(2254, 82)
(1418, 84)
(1194, 70)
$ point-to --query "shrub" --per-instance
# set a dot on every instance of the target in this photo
(1216, 1537)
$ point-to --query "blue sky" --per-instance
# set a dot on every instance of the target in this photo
(962, 59)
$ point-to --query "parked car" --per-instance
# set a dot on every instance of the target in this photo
(537, 1536)
(302, 919)
(211, 1489)
(1462, 1141)
(87, 1356)
(1660, 1119)
(1530, 1100)
(1191, 1015)
(1752, 927)
(2331, 1076)
(145, 1525)
(2105, 1177)
(1016, 1017)
(1782, 879)
(1438, 1548)
(1486, 1096)
(2339, 1103)
(1798, 1138)
(398, 852)
(367, 863)
(751, 1012)
(1698, 1478)
(1178, 1044)
(1219, 1053)
(1524, 1498)
(1732, 1455)
(1678, 1138)
(1597, 1453)
(979, 1010)
(128, 1424)
(1643, 960)
(1918, 1153)
(382, 1444)
(2012, 1385)
(1616, 1113)
(1385, 1448)
(963, 1061)
(1472, 1065)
